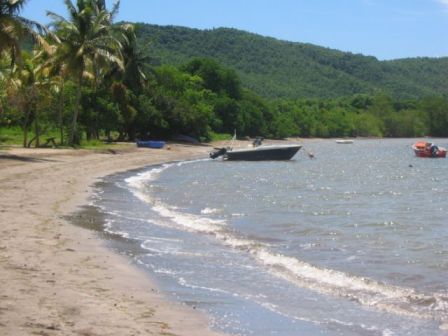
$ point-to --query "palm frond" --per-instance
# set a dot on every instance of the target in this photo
(106, 54)
(72, 11)
(11, 7)
(115, 9)
(56, 17)
(32, 25)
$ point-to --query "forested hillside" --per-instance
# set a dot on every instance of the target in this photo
(274, 68)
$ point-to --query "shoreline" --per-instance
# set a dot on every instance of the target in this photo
(63, 279)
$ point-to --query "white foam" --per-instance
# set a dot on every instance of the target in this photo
(153, 251)
(189, 221)
(162, 239)
(139, 182)
(108, 227)
(388, 332)
(184, 283)
(165, 271)
(393, 299)
(210, 211)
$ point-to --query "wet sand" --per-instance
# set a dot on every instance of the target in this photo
(60, 279)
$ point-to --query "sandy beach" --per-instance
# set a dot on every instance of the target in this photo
(60, 279)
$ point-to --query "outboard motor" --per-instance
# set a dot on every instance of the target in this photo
(218, 152)
(257, 142)
(434, 150)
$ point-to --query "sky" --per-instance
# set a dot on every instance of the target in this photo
(386, 29)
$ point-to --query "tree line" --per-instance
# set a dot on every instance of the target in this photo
(86, 77)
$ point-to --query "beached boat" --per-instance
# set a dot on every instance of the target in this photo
(257, 152)
(428, 149)
(344, 141)
(150, 143)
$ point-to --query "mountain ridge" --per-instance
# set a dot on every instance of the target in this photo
(276, 68)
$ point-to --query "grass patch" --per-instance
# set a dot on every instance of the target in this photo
(220, 136)
(11, 136)
(100, 144)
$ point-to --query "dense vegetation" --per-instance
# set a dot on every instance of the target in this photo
(274, 68)
(88, 78)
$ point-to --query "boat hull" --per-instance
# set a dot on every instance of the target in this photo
(428, 154)
(151, 144)
(274, 153)
(428, 150)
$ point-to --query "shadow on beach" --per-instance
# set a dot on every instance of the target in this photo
(23, 158)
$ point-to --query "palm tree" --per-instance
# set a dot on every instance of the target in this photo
(49, 65)
(24, 85)
(86, 45)
(134, 60)
(14, 28)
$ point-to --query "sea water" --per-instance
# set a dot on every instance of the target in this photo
(353, 242)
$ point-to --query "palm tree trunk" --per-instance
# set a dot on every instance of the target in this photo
(61, 112)
(36, 115)
(25, 136)
(36, 125)
(76, 112)
(25, 128)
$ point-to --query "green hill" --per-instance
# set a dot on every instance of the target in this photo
(275, 68)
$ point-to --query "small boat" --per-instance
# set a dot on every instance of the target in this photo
(257, 152)
(344, 141)
(428, 149)
(262, 153)
(150, 143)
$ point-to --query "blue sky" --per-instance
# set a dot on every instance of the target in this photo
(386, 29)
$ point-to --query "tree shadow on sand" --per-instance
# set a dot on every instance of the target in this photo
(23, 158)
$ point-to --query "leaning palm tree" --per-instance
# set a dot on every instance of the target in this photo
(15, 28)
(86, 44)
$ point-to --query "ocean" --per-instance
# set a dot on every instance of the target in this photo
(353, 242)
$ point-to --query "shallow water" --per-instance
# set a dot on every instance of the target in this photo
(354, 242)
